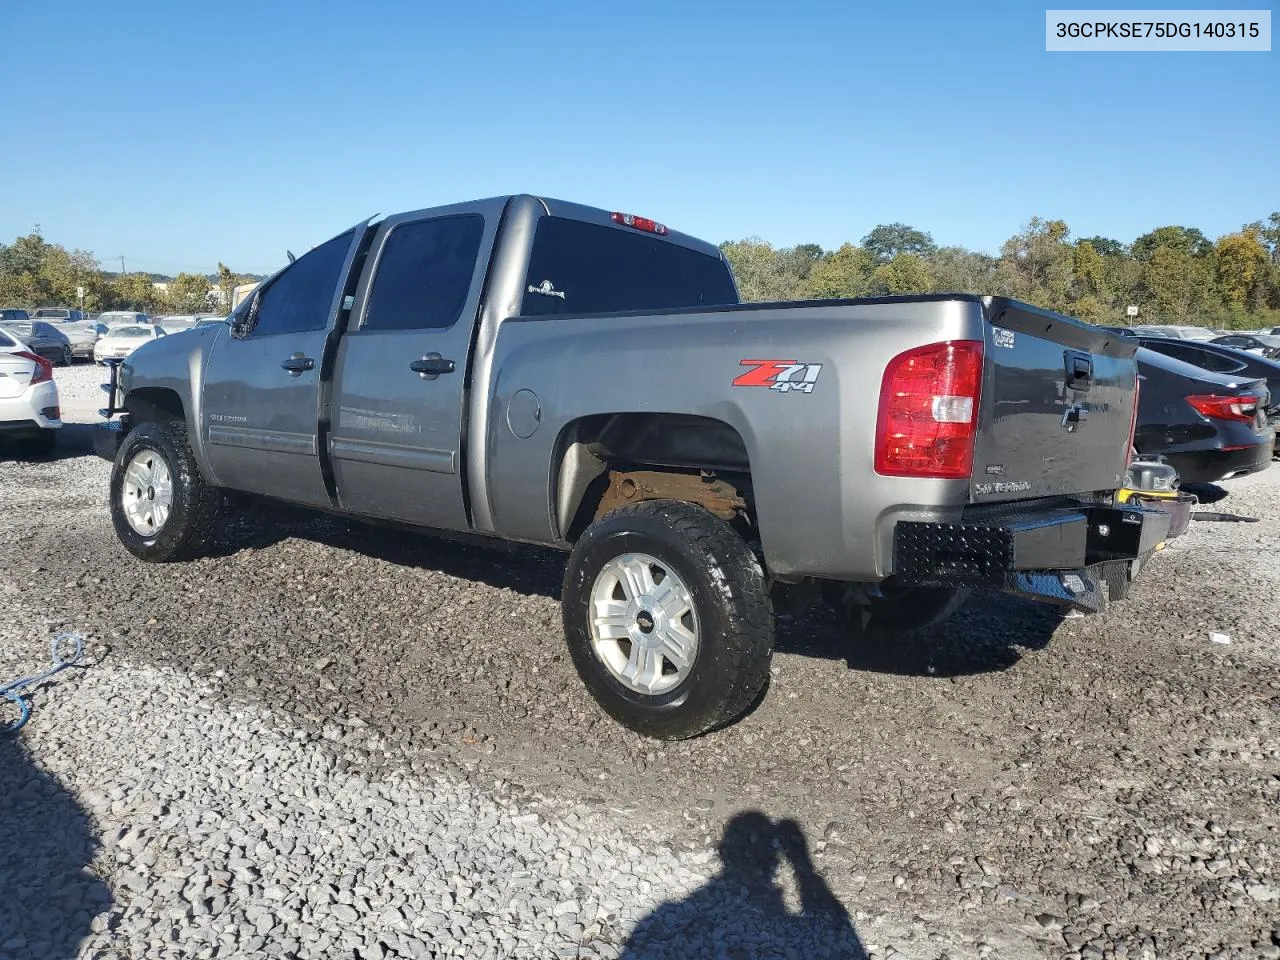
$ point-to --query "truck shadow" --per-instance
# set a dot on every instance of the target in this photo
(981, 637)
(988, 634)
(740, 912)
(74, 440)
(48, 898)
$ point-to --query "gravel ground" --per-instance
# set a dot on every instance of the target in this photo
(325, 724)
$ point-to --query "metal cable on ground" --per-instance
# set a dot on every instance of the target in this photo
(14, 692)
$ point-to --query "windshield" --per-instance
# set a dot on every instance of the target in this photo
(129, 332)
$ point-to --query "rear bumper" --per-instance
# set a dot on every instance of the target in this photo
(36, 409)
(26, 429)
(1210, 466)
(1061, 555)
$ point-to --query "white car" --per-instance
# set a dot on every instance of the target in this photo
(118, 342)
(118, 318)
(29, 409)
(177, 322)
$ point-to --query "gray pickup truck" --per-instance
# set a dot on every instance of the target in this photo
(538, 371)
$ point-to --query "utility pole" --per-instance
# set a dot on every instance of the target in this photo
(122, 265)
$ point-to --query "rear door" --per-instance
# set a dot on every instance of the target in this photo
(261, 407)
(1057, 406)
(395, 438)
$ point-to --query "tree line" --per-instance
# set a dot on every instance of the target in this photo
(37, 273)
(1171, 274)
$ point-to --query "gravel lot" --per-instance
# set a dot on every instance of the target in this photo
(337, 741)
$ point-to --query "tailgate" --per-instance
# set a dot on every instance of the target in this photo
(1057, 406)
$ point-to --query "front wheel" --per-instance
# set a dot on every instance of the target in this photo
(67, 357)
(668, 619)
(161, 507)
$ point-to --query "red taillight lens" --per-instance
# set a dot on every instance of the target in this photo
(44, 369)
(1243, 409)
(639, 223)
(929, 411)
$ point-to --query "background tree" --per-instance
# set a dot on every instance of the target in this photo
(1107, 247)
(957, 270)
(887, 240)
(844, 273)
(905, 273)
(189, 293)
(1189, 240)
(1037, 264)
(1174, 274)
(761, 272)
(1177, 284)
(1242, 266)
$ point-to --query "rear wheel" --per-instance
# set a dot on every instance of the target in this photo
(667, 616)
(161, 507)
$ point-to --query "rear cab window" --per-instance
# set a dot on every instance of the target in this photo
(424, 274)
(578, 267)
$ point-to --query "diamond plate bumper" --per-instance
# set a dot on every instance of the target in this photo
(1062, 554)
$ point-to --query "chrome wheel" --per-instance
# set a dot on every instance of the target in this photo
(643, 625)
(146, 496)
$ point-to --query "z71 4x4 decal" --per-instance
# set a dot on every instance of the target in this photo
(780, 375)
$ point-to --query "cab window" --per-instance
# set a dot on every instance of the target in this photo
(299, 299)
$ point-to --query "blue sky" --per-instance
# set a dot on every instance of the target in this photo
(180, 134)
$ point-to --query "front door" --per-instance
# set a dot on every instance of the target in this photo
(262, 385)
(397, 412)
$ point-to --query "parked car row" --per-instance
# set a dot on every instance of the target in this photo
(63, 335)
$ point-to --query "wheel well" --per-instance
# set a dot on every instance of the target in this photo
(607, 460)
(154, 403)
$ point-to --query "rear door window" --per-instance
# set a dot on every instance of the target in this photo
(299, 299)
(424, 274)
(1219, 363)
(579, 267)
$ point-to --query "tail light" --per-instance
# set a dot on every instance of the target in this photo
(44, 369)
(928, 416)
(639, 223)
(1243, 409)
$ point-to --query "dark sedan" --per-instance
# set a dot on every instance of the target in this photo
(42, 338)
(1229, 360)
(1260, 343)
(1209, 426)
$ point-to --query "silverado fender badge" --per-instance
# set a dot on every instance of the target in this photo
(547, 289)
(780, 375)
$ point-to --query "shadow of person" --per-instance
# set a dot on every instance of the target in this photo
(48, 898)
(741, 913)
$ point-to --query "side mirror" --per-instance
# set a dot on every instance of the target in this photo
(241, 328)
